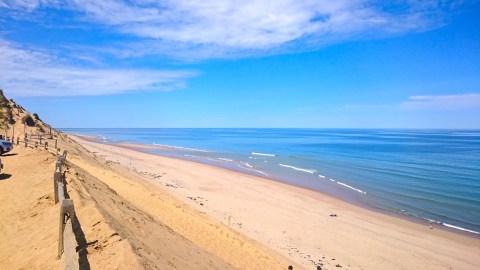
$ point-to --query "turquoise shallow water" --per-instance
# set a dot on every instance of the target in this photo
(430, 174)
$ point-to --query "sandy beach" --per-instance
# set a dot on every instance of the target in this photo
(292, 221)
(142, 211)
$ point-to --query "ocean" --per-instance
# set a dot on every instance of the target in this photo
(426, 174)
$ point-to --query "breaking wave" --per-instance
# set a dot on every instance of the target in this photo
(298, 169)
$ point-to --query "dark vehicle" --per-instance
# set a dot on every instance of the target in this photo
(5, 146)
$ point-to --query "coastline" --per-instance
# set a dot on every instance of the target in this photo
(301, 204)
(351, 200)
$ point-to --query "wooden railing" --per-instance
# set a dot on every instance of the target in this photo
(35, 141)
(66, 237)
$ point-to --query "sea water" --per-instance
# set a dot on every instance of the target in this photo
(429, 174)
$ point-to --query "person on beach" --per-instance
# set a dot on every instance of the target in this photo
(290, 267)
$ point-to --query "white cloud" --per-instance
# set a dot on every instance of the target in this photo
(26, 72)
(189, 30)
(215, 28)
(443, 102)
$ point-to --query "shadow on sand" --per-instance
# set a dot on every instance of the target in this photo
(9, 155)
(5, 176)
(82, 245)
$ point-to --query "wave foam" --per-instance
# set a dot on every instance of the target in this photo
(321, 176)
(299, 169)
(350, 187)
(246, 164)
(249, 168)
(459, 228)
(226, 159)
(263, 154)
(179, 147)
(199, 157)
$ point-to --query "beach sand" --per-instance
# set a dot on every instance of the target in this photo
(125, 222)
(292, 221)
(143, 211)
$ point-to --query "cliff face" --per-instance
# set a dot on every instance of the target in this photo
(15, 121)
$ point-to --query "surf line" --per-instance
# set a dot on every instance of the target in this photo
(350, 187)
(298, 169)
(179, 147)
(262, 154)
(249, 168)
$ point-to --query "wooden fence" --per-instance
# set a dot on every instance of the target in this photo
(66, 237)
(67, 242)
(35, 141)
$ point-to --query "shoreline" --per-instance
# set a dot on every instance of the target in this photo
(355, 202)
(295, 221)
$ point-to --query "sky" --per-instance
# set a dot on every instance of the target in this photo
(231, 63)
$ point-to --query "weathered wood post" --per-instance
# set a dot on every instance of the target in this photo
(18, 140)
(55, 143)
(26, 142)
(58, 165)
(36, 144)
(64, 155)
(67, 210)
(70, 257)
(40, 138)
(46, 145)
(57, 178)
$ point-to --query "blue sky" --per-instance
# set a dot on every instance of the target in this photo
(285, 63)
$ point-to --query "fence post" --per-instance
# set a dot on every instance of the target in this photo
(55, 144)
(18, 140)
(46, 145)
(26, 142)
(40, 138)
(57, 178)
(66, 210)
(36, 144)
(58, 165)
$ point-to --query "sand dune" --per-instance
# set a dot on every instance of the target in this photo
(125, 222)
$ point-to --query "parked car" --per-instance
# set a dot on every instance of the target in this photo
(5, 146)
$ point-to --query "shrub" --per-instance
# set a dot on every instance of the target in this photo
(28, 120)
(11, 121)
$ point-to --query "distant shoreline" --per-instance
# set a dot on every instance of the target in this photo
(410, 218)
(294, 221)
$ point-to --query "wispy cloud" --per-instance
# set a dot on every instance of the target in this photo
(26, 72)
(192, 30)
(233, 28)
(427, 102)
(442, 102)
